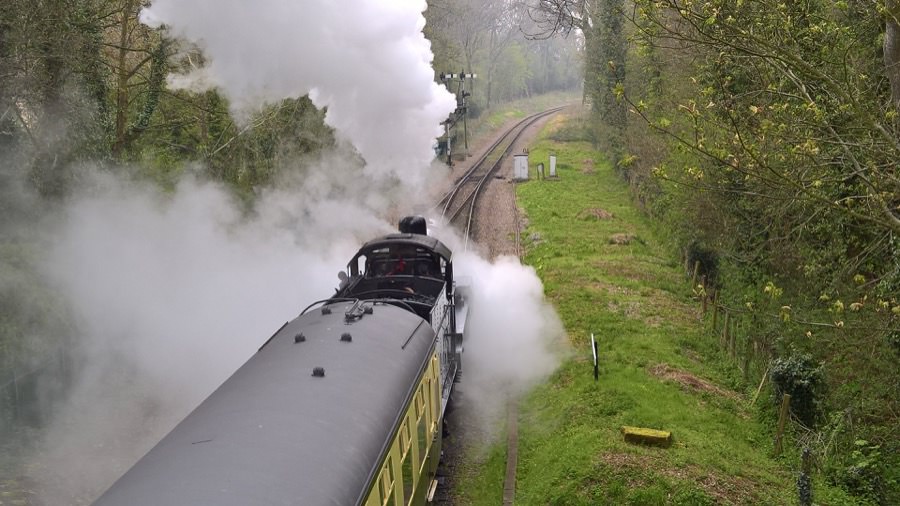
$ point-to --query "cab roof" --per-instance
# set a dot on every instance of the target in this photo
(418, 240)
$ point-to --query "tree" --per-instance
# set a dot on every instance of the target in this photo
(601, 24)
(140, 66)
(53, 85)
(892, 48)
(780, 75)
(506, 17)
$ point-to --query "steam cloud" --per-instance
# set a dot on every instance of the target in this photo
(174, 291)
(367, 61)
(514, 338)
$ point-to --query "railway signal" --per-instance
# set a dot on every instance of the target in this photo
(461, 80)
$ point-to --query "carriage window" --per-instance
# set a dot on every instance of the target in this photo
(423, 439)
(406, 463)
(387, 481)
(407, 479)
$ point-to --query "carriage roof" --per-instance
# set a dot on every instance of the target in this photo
(275, 434)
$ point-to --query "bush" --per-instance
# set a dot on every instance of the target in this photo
(893, 339)
(798, 376)
(709, 262)
(863, 473)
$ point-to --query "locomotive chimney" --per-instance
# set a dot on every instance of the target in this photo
(413, 225)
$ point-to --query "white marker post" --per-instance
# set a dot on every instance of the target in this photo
(596, 364)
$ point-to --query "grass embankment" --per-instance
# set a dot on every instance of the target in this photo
(492, 119)
(608, 272)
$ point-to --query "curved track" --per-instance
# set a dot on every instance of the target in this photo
(464, 194)
(462, 197)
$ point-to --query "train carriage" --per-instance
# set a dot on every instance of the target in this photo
(343, 405)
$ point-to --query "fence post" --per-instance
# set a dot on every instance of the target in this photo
(760, 387)
(725, 328)
(694, 276)
(715, 303)
(704, 298)
(782, 419)
(804, 483)
(732, 343)
(748, 349)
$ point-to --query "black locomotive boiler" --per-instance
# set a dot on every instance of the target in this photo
(343, 405)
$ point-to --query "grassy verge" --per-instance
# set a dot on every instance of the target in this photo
(607, 271)
(492, 119)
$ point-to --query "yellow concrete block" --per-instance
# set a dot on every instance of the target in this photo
(647, 436)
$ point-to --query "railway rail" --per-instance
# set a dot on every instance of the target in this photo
(463, 196)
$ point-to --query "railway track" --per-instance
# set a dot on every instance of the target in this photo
(457, 206)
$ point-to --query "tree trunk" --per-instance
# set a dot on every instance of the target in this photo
(122, 78)
(892, 48)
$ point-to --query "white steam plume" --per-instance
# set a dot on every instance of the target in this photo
(514, 338)
(172, 293)
(367, 61)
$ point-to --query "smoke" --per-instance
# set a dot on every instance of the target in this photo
(173, 292)
(366, 61)
(514, 338)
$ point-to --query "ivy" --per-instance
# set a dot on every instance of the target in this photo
(800, 377)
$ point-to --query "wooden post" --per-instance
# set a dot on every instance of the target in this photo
(732, 339)
(703, 296)
(806, 467)
(715, 303)
(804, 482)
(725, 330)
(746, 368)
(694, 276)
(759, 389)
(782, 419)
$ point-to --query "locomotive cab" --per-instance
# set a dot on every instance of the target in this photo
(414, 271)
(411, 268)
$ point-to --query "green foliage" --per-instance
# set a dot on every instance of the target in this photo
(893, 339)
(572, 131)
(499, 42)
(769, 135)
(516, 73)
(706, 259)
(605, 67)
(35, 322)
(635, 299)
(800, 377)
(863, 472)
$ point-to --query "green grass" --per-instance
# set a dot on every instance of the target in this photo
(635, 299)
(495, 117)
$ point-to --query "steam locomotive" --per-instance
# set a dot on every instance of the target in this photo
(343, 405)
